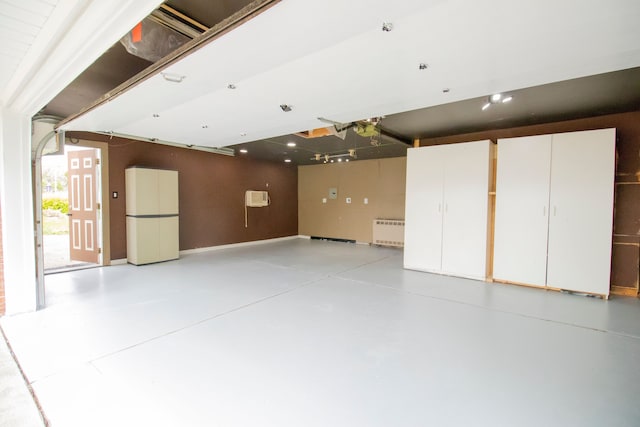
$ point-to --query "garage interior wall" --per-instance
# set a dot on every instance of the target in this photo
(626, 234)
(381, 182)
(211, 190)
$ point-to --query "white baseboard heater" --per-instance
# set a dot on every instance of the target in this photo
(388, 232)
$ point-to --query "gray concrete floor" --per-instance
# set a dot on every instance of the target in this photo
(312, 333)
(17, 407)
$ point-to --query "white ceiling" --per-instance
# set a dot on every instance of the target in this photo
(331, 59)
(21, 21)
(45, 44)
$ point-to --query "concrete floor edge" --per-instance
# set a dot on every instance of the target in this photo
(24, 413)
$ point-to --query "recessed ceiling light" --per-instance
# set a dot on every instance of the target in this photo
(205, 126)
(231, 86)
(387, 26)
(287, 160)
(291, 144)
(446, 90)
(244, 151)
(243, 134)
(497, 98)
(156, 115)
(423, 66)
(285, 107)
(174, 78)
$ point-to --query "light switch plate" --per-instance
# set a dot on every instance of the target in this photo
(348, 199)
(324, 200)
(366, 200)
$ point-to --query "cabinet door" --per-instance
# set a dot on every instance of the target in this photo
(466, 193)
(522, 208)
(168, 238)
(423, 209)
(167, 188)
(141, 191)
(143, 240)
(580, 226)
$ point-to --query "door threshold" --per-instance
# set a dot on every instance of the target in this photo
(67, 268)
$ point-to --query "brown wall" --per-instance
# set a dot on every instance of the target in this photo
(2, 299)
(212, 188)
(626, 238)
(381, 181)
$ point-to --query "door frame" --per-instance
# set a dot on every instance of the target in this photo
(103, 214)
(78, 192)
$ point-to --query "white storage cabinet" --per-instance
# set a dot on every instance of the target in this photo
(446, 209)
(554, 210)
(152, 215)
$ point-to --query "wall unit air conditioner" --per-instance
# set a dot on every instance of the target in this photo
(256, 199)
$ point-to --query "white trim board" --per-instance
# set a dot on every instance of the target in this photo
(238, 245)
(123, 261)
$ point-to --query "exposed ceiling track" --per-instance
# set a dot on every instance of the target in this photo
(222, 150)
(393, 136)
(365, 128)
(170, 14)
(319, 132)
(243, 15)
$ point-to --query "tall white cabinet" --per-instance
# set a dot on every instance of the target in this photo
(522, 210)
(446, 209)
(554, 210)
(152, 215)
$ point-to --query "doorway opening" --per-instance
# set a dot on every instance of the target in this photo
(71, 214)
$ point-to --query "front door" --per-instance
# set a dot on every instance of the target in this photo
(83, 218)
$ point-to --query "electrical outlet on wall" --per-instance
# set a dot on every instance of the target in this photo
(366, 200)
(324, 200)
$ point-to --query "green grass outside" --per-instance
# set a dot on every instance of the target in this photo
(55, 225)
